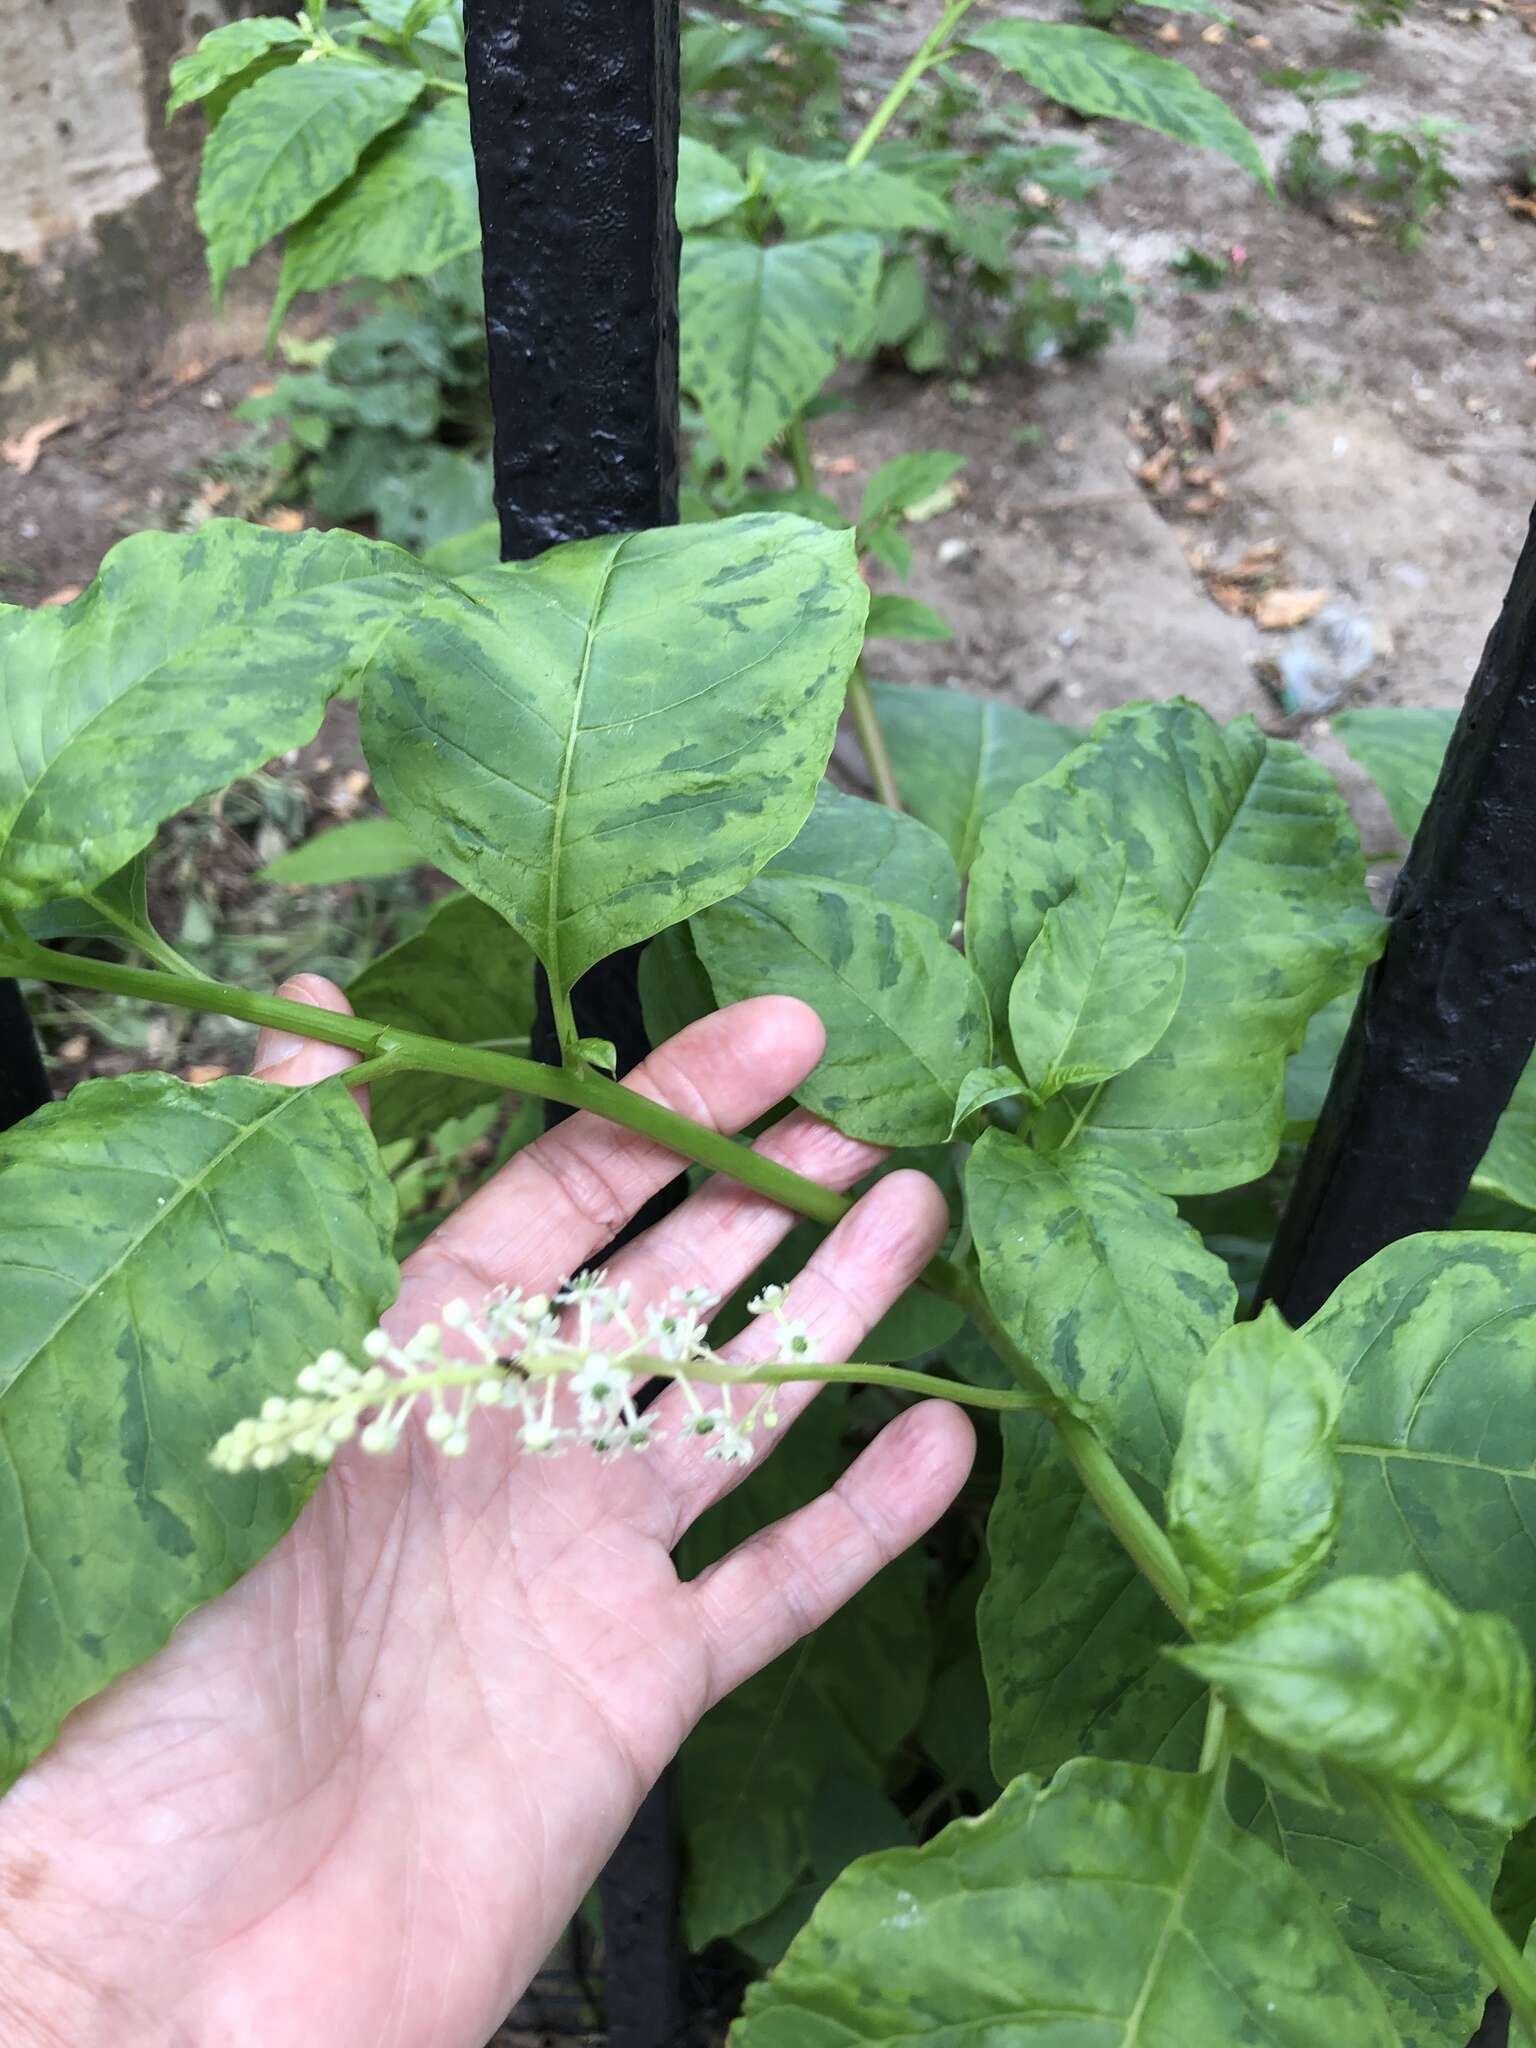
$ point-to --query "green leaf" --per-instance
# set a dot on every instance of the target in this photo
(981, 1086)
(1401, 750)
(854, 918)
(808, 196)
(709, 186)
(411, 208)
(1118, 1908)
(763, 329)
(959, 758)
(1254, 1497)
(432, 22)
(191, 660)
(465, 976)
(1430, 1981)
(841, 1701)
(674, 989)
(1102, 1282)
(1388, 1677)
(603, 741)
(287, 143)
(1072, 1635)
(1095, 73)
(907, 480)
(360, 851)
(905, 618)
(168, 1257)
(1100, 985)
(1433, 1340)
(1217, 822)
(123, 899)
(224, 53)
(479, 548)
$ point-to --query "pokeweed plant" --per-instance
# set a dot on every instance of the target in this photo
(347, 134)
(1258, 1606)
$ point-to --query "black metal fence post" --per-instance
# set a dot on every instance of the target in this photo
(574, 115)
(1447, 1020)
(23, 1080)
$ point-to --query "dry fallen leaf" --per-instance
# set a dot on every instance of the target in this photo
(1216, 33)
(839, 465)
(1278, 611)
(1169, 33)
(75, 1048)
(23, 449)
(1521, 202)
(285, 519)
(65, 594)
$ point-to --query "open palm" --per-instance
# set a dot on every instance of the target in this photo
(356, 1799)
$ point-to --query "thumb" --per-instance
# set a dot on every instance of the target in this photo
(292, 1061)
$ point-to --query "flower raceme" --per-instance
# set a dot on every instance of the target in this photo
(518, 1353)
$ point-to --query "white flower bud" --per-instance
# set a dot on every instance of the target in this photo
(456, 1313)
(376, 1344)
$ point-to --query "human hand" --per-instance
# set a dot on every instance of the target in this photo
(356, 1799)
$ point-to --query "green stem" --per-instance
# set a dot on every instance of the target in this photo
(581, 1089)
(577, 1087)
(1455, 1897)
(798, 448)
(1213, 1747)
(866, 723)
(928, 54)
(566, 1033)
(861, 1375)
(1111, 1492)
(143, 936)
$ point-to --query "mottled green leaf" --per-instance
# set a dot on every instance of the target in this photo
(854, 918)
(709, 186)
(674, 989)
(1096, 73)
(808, 196)
(1433, 1339)
(1401, 750)
(106, 912)
(411, 208)
(763, 329)
(1100, 985)
(465, 976)
(905, 618)
(192, 659)
(285, 144)
(225, 52)
(1101, 1281)
(1430, 1981)
(603, 741)
(1254, 1497)
(168, 1257)
(1388, 1677)
(1255, 859)
(357, 852)
(1072, 1635)
(959, 758)
(1118, 1908)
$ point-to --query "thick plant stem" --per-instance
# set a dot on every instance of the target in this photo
(1455, 1897)
(866, 723)
(798, 448)
(580, 1089)
(577, 1087)
(928, 53)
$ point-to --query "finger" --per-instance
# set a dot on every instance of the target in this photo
(721, 1235)
(866, 1263)
(567, 1195)
(294, 1062)
(761, 1598)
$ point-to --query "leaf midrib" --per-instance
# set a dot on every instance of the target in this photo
(567, 764)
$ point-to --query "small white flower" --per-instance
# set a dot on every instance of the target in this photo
(768, 1302)
(538, 1435)
(602, 1380)
(456, 1313)
(794, 1343)
(729, 1446)
(377, 1344)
